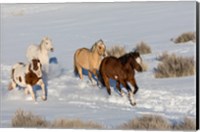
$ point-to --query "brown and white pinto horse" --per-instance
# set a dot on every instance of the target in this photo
(122, 70)
(27, 76)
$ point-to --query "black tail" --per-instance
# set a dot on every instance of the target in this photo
(101, 78)
(75, 68)
(12, 75)
(75, 71)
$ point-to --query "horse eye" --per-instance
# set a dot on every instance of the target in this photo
(99, 47)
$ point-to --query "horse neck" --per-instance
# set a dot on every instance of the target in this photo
(42, 48)
(131, 63)
(95, 54)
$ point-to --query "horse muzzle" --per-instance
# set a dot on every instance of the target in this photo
(140, 69)
(52, 49)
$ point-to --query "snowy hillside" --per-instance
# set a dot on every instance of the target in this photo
(72, 26)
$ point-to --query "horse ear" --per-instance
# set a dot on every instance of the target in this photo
(45, 38)
(100, 40)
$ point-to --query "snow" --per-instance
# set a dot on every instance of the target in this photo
(75, 25)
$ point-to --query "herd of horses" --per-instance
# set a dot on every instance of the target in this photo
(94, 60)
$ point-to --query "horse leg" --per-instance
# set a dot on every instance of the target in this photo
(26, 91)
(90, 76)
(30, 89)
(12, 85)
(94, 71)
(120, 90)
(130, 93)
(41, 83)
(79, 69)
(133, 83)
(107, 83)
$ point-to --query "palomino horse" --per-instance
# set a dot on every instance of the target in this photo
(122, 70)
(27, 76)
(41, 52)
(89, 59)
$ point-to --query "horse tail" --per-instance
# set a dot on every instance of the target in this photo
(12, 74)
(101, 79)
(10, 86)
(75, 68)
(13, 71)
(100, 75)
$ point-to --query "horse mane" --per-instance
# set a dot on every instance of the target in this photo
(95, 45)
(43, 39)
(40, 45)
(124, 59)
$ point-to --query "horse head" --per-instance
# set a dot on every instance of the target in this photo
(99, 47)
(47, 44)
(136, 61)
(36, 67)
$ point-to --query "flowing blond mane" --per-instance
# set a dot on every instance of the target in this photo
(94, 46)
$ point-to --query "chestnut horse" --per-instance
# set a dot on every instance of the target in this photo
(89, 59)
(122, 70)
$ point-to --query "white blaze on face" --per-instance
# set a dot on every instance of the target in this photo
(138, 60)
(116, 77)
(39, 71)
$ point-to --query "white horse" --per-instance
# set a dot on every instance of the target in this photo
(27, 76)
(41, 52)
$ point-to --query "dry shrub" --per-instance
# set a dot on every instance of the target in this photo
(174, 66)
(144, 66)
(147, 122)
(143, 48)
(116, 51)
(154, 122)
(27, 119)
(187, 124)
(63, 123)
(163, 56)
(185, 37)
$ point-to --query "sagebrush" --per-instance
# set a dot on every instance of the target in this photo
(143, 48)
(27, 119)
(185, 37)
(116, 51)
(172, 65)
(155, 122)
(144, 66)
(186, 124)
(75, 123)
(145, 122)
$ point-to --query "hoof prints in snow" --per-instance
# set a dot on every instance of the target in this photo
(67, 88)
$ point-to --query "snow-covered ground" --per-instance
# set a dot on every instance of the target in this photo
(76, 25)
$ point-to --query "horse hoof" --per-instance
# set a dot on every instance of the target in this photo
(44, 98)
(122, 94)
(133, 104)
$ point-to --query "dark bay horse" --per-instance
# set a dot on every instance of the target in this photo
(122, 70)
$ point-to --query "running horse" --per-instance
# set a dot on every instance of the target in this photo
(122, 70)
(89, 59)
